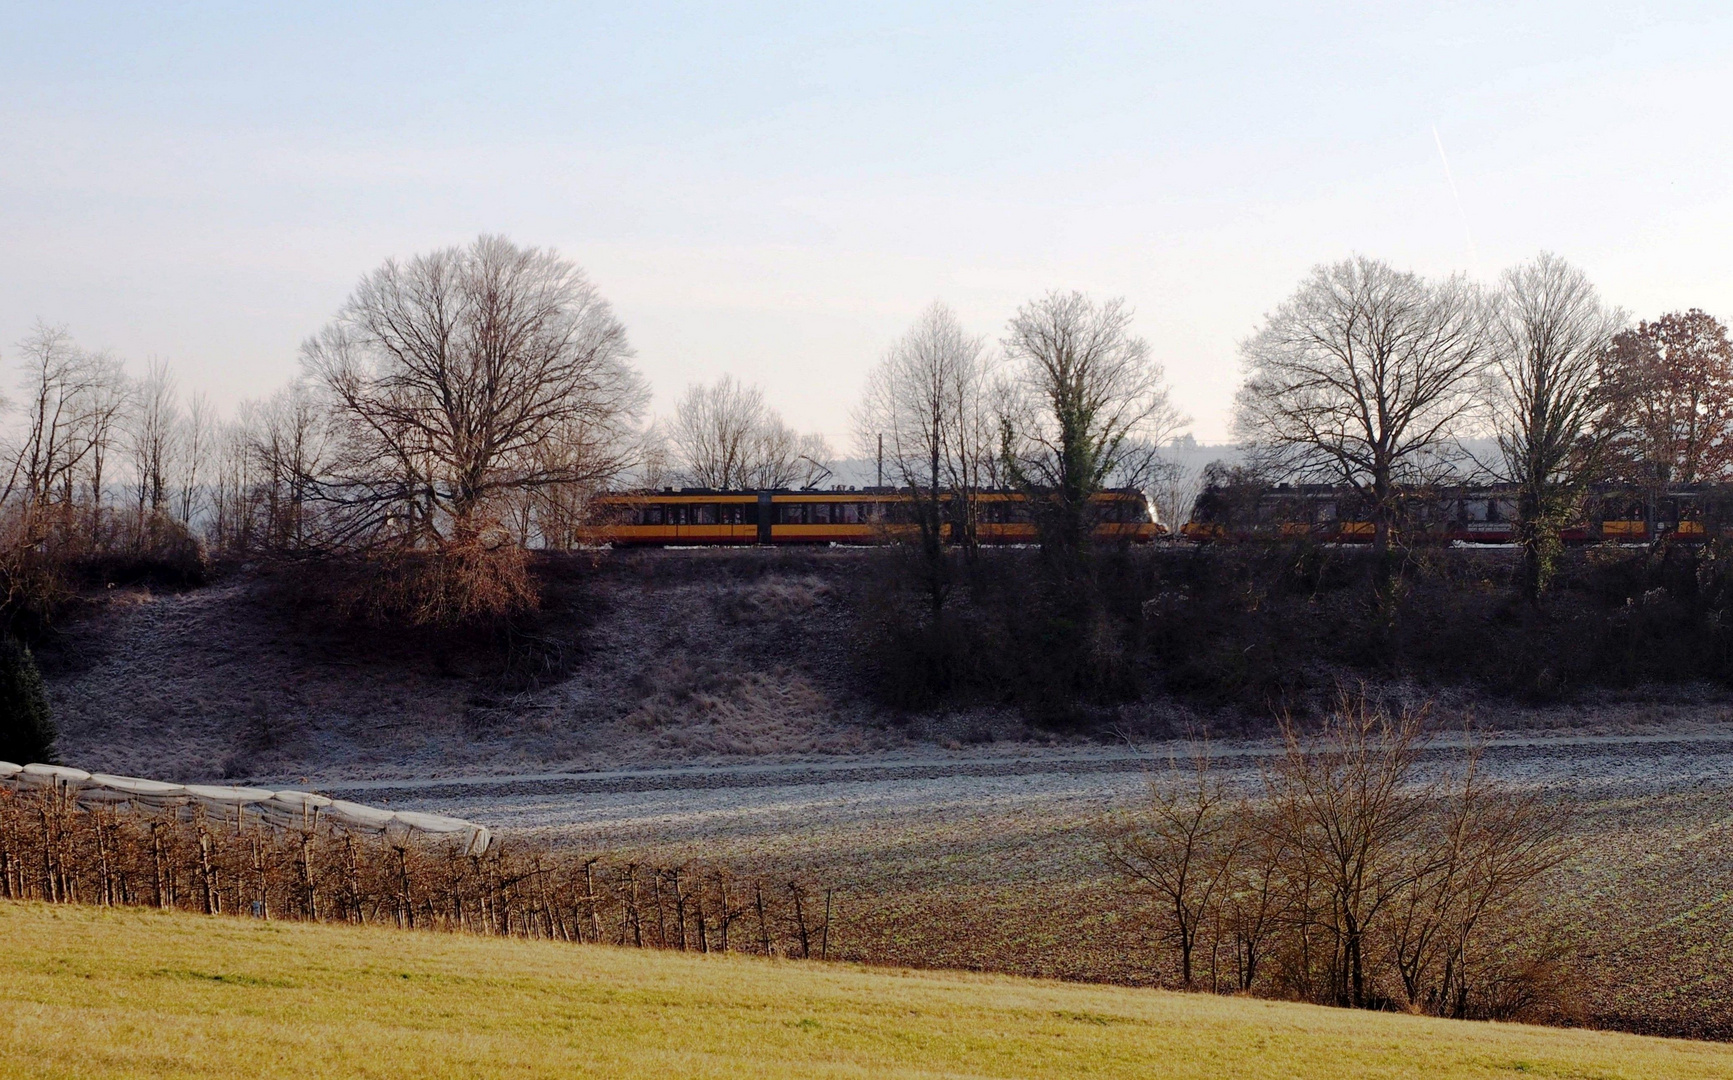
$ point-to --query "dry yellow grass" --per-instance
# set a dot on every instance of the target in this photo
(88, 992)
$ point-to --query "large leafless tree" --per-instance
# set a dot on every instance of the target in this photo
(1365, 376)
(1550, 334)
(928, 404)
(155, 430)
(1087, 409)
(57, 378)
(463, 377)
(72, 401)
(724, 436)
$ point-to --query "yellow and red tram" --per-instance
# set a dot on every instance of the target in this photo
(840, 516)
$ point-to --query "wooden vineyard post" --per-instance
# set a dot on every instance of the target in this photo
(212, 898)
(679, 908)
(661, 922)
(824, 934)
(698, 905)
(763, 927)
(590, 896)
(158, 892)
(632, 905)
(800, 921)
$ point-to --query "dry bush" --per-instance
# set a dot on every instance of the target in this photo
(457, 585)
(53, 851)
(773, 599)
(1354, 877)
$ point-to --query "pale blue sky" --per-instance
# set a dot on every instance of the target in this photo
(776, 191)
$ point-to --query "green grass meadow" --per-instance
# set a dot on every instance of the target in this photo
(91, 992)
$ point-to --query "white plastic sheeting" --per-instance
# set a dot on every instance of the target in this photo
(300, 810)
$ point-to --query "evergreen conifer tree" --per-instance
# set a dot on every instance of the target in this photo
(27, 730)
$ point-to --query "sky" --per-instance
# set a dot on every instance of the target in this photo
(775, 192)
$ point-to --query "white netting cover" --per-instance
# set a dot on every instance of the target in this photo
(293, 810)
(368, 819)
(50, 777)
(473, 838)
(103, 788)
(279, 809)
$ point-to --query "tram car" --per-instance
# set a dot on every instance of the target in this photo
(1470, 514)
(836, 516)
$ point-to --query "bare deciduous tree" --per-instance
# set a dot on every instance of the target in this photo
(1549, 337)
(110, 397)
(1488, 845)
(154, 424)
(73, 402)
(1358, 878)
(724, 436)
(449, 376)
(1180, 850)
(927, 403)
(1088, 410)
(1174, 492)
(57, 385)
(197, 434)
(1339, 799)
(1365, 377)
(288, 449)
(234, 483)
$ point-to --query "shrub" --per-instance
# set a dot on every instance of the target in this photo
(27, 731)
(1357, 876)
(457, 586)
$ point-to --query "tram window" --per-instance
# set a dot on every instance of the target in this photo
(731, 514)
(703, 514)
(651, 515)
(792, 514)
(820, 513)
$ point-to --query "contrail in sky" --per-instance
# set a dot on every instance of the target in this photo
(1473, 252)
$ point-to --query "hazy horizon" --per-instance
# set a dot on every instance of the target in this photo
(776, 193)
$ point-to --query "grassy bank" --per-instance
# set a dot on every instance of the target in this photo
(87, 992)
